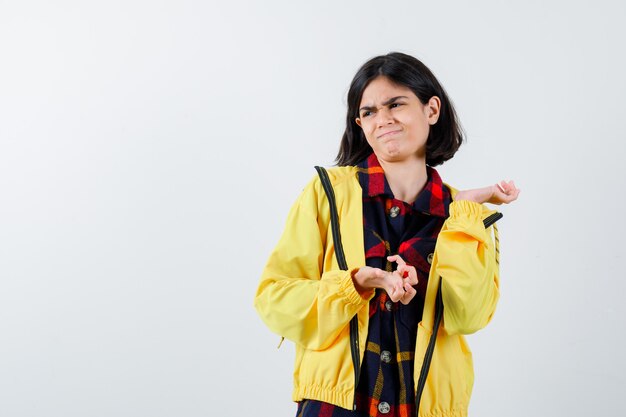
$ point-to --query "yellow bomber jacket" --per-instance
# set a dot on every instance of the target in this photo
(305, 297)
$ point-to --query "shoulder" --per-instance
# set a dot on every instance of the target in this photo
(338, 176)
(344, 182)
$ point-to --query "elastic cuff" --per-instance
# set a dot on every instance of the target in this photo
(347, 287)
(466, 217)
(465, 207)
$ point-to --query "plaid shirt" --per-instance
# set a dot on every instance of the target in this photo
(391, 226)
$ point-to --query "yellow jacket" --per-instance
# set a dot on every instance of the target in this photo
(305, 297)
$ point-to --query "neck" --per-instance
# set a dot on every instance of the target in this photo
(406, 178)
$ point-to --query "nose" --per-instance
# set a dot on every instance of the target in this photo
(384, 117)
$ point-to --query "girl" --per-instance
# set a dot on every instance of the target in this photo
(362, 335)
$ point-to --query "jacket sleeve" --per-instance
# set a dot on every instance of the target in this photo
(469, 269)
(295, 298)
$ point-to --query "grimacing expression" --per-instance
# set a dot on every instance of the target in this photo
(394, 121)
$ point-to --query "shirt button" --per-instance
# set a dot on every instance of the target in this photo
(430, 258)
(385, 356)
(383, 407)
(394, 211)
(389, 305)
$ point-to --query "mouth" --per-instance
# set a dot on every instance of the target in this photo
(388, 134)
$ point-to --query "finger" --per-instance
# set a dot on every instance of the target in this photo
(408, 273)
(515, 195)
(403, 271)
(409, 294)
(412, 275)
(395, 294)
(514, 192)
(396, 258)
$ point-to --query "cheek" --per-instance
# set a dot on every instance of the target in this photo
(419, 124)
(371, 140)
(367, 128)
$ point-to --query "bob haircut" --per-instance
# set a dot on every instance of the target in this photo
(444, 138)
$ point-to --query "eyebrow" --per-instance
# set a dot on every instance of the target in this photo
(391, 100)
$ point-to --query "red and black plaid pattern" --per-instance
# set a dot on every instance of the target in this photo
(391, 226)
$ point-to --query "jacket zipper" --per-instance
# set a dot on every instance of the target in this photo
(341, 260)
(354, 348)
(421, 382)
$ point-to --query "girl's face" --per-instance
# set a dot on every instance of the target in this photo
(395, 123)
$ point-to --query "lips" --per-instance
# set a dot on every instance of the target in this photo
(389, 133)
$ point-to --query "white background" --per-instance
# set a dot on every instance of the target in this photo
(150, 152)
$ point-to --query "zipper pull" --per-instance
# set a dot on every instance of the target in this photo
(282, 338)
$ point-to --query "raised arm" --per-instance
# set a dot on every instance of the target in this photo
(466, 262)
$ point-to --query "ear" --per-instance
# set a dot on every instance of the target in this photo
(434, 106)
(358, 122)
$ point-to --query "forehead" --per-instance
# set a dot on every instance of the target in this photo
(381, 89)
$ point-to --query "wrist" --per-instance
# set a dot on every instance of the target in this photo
(471, 195)
(363, 282)
(355, 281)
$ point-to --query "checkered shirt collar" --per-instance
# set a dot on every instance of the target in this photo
(431, 200)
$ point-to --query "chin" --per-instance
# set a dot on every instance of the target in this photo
(400, 154)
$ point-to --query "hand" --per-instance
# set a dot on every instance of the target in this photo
(402, 290)
(502, 192)
(398, 284)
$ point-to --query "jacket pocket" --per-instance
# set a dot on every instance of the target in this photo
(450, 377)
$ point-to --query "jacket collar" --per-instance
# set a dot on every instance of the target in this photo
(434, 198)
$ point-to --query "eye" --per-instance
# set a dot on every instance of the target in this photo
(366, 113)
(395, 104)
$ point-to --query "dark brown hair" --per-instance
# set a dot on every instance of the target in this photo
(444, 138)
